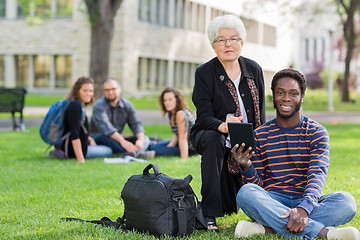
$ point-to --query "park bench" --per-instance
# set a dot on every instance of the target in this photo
(12, 101)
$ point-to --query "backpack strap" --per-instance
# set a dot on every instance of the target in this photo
(105, 221)
(181, 215)
(182, 221)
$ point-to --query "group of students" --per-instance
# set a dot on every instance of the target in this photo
(104, 135)
(278, 185)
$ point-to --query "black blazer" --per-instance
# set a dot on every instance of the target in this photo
(213, 100)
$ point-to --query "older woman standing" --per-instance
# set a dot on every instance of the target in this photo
(228, 88)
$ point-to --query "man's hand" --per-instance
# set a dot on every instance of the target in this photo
(242, 157)
(298, 219)
(129, 146)
(139, 144)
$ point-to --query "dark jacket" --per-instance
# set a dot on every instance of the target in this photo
(73, 116)
(213, 100)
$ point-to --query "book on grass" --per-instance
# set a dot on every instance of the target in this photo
(126, 159)
(241, 133)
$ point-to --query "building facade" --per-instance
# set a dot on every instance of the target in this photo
(156, 43)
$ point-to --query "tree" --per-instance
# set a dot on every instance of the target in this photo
(347, 11)
(101, 16)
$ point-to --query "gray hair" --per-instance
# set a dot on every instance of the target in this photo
(225, 21)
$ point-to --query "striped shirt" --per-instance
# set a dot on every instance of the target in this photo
(293, 161)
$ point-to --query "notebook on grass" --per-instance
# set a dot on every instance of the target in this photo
(241, 133)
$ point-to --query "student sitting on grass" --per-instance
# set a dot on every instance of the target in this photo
(80, 145)
(285, 176)
(181, 120)
(110, 115)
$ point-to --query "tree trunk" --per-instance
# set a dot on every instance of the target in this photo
(350, 38)
(101, 35)
(101, 16)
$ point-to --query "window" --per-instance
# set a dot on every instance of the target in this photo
(2, 71)
(153, 74)
(307, 49)
(42, 70)
(144, 10)
(63, 71)
(252, 30)
(269, 38)
(2, 8)
(45, 8)
(22, 70)
(63, 8)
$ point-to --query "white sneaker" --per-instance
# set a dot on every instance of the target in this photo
(248, 229)
(345, 233)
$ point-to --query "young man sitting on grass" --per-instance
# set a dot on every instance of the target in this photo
(286, 174)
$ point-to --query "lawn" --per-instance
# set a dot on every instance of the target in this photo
(315, 100)
(35, 192)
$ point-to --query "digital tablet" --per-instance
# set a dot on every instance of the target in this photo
(241, 133)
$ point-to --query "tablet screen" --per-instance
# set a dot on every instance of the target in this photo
(241, 133)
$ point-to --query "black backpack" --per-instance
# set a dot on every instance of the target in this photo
(158, 204)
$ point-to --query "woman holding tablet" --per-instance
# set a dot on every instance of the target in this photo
(228, 88)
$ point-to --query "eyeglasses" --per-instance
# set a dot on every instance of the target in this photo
(109, 89)
(222, 41)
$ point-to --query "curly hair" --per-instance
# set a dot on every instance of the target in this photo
(291, 73)
(74, 92)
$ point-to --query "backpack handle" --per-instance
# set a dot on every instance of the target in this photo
(152, 166)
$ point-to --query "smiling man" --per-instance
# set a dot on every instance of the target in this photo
(285, 176)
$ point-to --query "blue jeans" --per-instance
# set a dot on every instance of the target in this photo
(264, 207)
(98, 151)
(161, 149)
(101, 139)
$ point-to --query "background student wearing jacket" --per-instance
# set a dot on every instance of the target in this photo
(80, 145)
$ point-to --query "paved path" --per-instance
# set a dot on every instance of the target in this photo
(155, 117)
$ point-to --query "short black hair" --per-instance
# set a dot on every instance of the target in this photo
(291, 73)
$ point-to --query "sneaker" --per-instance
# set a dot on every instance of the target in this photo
(346, 233)
(57, 153)
(146, 154)
(248, 229)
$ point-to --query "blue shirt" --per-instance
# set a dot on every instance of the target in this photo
(107, 119)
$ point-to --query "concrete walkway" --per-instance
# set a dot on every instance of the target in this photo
(155, 117)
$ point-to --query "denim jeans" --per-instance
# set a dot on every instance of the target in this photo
(161, 149)
(101, 139)
(98, 151)
(264, 207)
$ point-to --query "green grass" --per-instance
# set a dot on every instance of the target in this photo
(35, 192)
(41, 100)
(315, 100)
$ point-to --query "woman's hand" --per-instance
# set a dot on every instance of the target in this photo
(242, 157)
(224, 126)
(91, 141)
